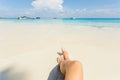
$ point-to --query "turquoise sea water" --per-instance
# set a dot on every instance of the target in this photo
(93, 22)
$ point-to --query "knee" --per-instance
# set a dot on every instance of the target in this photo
(77, 63)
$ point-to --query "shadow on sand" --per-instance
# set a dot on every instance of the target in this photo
(55, 74)
(11, 74)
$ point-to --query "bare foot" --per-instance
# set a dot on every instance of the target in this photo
(65, 54)
(63, 57)
(62, 60)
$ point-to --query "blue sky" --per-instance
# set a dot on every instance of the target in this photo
(60, 8)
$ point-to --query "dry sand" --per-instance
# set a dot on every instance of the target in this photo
(29, 50)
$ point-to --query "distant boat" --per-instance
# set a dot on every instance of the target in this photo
(23, 17)
(37, 17)
(54, 18)
(72, 18)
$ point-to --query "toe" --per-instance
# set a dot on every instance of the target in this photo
(65, 54)
(58, 59)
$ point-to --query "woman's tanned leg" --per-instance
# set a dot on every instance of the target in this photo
(72, 69)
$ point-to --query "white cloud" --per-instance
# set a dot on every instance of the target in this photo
(53, 5)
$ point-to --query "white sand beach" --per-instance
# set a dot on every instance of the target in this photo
(29, 51)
